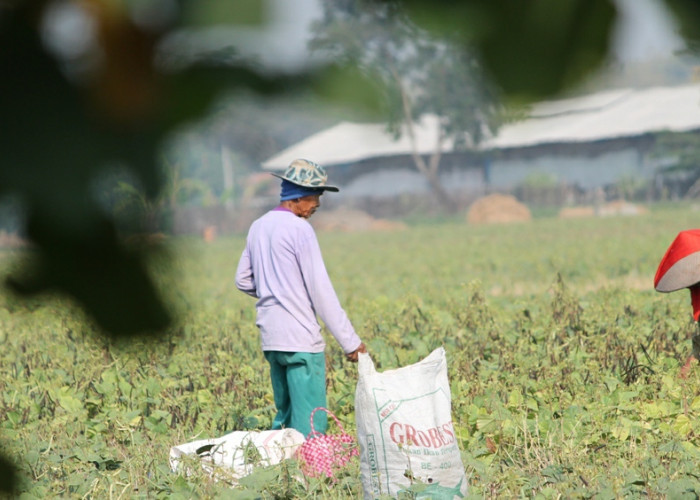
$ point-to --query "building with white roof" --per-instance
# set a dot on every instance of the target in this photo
(590, 141)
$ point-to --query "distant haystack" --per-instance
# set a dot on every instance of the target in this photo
(498, 208)
(347, 220)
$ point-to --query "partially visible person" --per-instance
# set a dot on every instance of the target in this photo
(680, 268)
(283, 268)
(694, 356)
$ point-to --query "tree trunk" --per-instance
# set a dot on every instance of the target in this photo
(441, 195)
(431, 173)
(429, 170)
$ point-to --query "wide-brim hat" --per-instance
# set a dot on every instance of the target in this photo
(307, 174)
(680, 268)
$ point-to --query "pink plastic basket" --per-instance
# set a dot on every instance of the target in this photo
(324, 454)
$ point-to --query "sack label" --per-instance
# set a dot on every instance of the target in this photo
(435, 437)
(415, 433)
(373, 464)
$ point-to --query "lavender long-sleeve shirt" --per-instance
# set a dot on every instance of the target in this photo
(282, 266)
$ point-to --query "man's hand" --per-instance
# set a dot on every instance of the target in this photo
(352, 356)
(688, 366)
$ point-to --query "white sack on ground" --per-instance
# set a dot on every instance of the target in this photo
(404, 423)
(236, 454)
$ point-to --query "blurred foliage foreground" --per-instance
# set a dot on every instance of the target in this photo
(563, 361)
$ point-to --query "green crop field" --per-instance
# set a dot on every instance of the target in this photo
(564, 364)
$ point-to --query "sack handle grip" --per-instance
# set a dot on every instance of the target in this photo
(314, 432)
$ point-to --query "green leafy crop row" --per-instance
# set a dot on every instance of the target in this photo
(564, 365)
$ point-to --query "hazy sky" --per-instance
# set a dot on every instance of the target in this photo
(280, 44)
(645, 30)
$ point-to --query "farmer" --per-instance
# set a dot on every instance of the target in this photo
(680, 268)
(282, 267)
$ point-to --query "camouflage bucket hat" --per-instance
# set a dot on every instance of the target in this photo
(307, 174)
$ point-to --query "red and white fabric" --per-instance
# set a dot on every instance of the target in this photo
(680, 268)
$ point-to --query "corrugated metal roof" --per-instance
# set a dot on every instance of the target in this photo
(604, 115)
(349, 142)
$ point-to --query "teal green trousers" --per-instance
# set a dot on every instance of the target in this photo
(299, 386)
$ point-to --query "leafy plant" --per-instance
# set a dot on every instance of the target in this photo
(563, 364)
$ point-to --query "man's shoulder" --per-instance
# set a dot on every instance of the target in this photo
(283, 220)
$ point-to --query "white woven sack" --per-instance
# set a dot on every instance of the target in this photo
(225, 457)
(404, 423)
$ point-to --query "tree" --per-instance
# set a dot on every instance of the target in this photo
(421, 75)
(142, 215)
